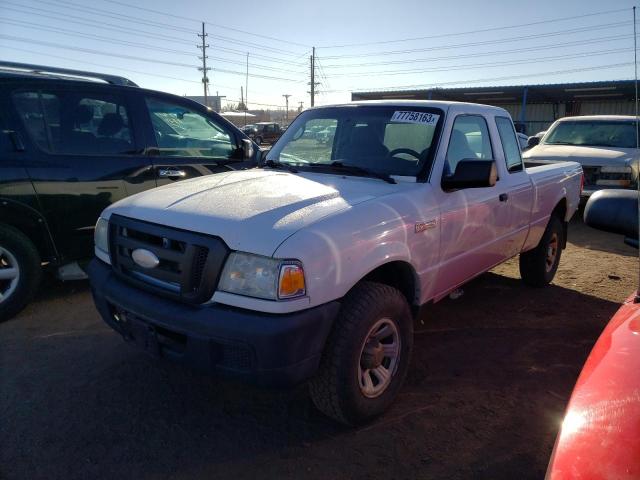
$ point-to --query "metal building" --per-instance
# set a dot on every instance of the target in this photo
(532, 107)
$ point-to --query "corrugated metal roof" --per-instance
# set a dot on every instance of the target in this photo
(509, 94)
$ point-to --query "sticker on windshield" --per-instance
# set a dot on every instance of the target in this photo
(422, 118)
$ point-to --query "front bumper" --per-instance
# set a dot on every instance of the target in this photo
(268, 349)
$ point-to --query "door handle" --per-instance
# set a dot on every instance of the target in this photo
(503, 197)
(171, 173)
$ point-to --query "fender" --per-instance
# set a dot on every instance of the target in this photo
(33, 224)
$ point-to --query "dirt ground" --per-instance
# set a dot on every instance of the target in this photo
(491, 375)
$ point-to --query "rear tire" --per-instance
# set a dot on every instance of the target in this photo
(20, 271)
(366, 356)
(539, 266)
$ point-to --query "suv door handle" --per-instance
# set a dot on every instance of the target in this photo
(503, 197)
(171, 173)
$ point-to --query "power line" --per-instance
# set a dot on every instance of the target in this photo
(486, 65)
(134, 31)
(132, 44)
(92, 23)
(128, 18)
(483, 30)
(289, 42)
(74, 33)
(482, 80)
(485, 54)
(111, 67)
(133, 57)
(485, 42)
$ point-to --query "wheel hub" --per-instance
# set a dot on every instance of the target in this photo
(9, 274)
(552, 252)
(372, 356)
(379, 357)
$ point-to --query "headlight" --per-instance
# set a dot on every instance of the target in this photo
(262, 277)
(101, 235)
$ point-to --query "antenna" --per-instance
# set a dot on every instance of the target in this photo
(635, 66)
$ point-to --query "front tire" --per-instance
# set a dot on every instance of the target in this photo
(20, 271)
(539, 266)
(367, 355)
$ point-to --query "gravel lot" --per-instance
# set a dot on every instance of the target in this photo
(492, 372)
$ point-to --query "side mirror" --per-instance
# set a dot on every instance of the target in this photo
(614, 211)
(471, 174)
(533, 141)
(247, 148)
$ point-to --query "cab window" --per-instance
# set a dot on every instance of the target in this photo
(510, 144)
(469, 140)
(181, 131)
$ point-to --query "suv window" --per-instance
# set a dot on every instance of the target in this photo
(510, 144)
(180, 131)
(469, 140)
(78, 123)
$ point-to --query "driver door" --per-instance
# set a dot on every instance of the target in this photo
(184, 142)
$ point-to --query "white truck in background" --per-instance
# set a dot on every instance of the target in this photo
(604, 145)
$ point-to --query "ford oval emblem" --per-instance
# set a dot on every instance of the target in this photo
(145, 258)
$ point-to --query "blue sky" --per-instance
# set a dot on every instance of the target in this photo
(361, 45)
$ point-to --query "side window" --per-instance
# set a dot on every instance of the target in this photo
(76, 123)
(509, 144)
(40, 114)
(180, 131)
(469, 140)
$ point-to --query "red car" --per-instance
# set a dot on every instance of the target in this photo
(600, 434)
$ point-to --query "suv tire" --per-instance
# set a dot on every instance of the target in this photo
(539, 266)
(259, 140)
(20, 271)
(359, 374)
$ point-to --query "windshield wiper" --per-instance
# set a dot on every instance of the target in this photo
(279, 165)
(354, 169)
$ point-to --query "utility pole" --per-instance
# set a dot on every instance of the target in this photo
(286, 113)
(246, 91)
(313, 84)
(204, 69)
(313, 75)
(300, 107)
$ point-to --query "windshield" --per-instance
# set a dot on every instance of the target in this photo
(385, 139)
(597, 133)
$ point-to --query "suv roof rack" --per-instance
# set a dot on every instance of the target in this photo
(31, 68)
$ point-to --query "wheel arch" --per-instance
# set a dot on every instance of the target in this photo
(30, 223)
(398, 274)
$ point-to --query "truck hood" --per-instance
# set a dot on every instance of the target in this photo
(251, 210)
(587, 156)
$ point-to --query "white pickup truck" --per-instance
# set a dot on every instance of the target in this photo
(604, 145)
(314, 265)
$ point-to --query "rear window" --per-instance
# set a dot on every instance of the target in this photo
(595, 133)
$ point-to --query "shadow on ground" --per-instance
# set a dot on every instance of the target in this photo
(491, 375)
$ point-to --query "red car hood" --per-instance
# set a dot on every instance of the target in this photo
(600, 435)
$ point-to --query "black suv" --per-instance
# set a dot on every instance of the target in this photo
(265, 132)
(74, 142)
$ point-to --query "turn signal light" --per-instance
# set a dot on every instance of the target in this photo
(291, 282)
